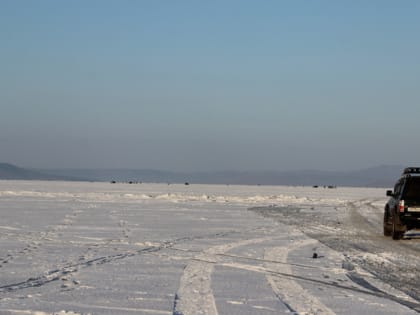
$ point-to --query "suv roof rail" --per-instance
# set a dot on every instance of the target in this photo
(411, 170)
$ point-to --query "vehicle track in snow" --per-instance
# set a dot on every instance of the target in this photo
(71, 267)
(355, 230)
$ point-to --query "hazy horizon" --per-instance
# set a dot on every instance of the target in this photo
(209, 86)
(215, 171)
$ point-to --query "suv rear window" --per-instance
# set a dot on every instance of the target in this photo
(412, 188)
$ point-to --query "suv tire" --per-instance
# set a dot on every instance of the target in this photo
(387, 224)
(396, 229)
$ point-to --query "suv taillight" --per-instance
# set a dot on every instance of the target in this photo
(401, 205)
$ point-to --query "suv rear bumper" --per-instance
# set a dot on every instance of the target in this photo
(410, 219)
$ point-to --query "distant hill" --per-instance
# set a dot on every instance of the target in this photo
(13, 172)
(381, 176)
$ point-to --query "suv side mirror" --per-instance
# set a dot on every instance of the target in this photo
(389, 193)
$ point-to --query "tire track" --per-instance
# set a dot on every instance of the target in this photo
(361, 240)
(195, 295)
(299, 300)
(57, 274)
(68, 269)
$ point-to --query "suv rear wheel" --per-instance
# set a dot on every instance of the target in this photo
(396, 228)
(387, 224)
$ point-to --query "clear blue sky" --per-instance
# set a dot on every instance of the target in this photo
(210, 85)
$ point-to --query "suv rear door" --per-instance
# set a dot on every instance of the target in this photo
(411, 193)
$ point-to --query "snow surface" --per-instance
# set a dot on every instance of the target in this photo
(101, 248)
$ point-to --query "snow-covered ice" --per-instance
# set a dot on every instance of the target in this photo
(101, 248)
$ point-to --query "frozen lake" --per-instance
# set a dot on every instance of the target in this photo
(101, 248)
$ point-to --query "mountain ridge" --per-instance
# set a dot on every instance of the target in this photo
(10, 171)
(378, 176)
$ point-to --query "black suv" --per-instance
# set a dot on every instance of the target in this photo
(402, 211)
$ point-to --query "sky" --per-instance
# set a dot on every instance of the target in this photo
(210, 85)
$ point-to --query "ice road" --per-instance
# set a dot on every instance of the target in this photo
(101, 248)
